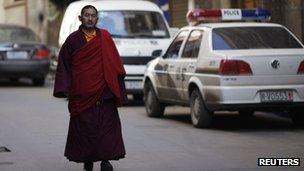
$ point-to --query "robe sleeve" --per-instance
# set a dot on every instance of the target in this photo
(63, 72)
(124, 98)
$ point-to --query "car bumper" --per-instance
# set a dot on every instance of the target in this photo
(256, 106)
(241, 97)
(134, 84)
(15, 68)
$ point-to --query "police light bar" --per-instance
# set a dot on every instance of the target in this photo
(199, 15)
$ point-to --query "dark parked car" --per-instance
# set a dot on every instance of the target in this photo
(22, 55)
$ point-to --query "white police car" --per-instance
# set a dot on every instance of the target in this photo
(235, 66)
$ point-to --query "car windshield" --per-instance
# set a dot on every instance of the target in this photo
(252, 38)
(16, 34)
(133, 24)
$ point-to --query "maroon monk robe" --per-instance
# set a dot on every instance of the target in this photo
(94, 130)
(94, 66)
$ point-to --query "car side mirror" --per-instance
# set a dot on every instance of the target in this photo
(157, 53)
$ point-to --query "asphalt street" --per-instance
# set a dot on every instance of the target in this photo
(33, 127)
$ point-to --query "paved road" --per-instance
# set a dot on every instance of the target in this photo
(33, 125)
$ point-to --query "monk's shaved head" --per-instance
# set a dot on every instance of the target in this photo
(88, 7)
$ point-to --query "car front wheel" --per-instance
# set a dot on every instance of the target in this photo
(154, 108)
(201, 117)
(137, 97)
(297, 117)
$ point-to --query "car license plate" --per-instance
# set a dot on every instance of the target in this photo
(276, 96)
(134, 85)
(16, 55)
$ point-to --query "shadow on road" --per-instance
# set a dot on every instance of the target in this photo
(233, 122)
(23, 83)
(15, 83)
(132, 102)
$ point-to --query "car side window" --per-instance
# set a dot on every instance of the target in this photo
(175, 46)
(193, 44)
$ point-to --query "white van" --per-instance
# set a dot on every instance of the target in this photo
(137, 27)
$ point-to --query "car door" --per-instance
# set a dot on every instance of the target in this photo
(165, 69)
(188, 61)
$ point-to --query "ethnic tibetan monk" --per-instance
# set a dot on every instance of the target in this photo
(90, 74)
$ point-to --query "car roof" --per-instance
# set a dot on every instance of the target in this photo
(235, 24)
(117, 5)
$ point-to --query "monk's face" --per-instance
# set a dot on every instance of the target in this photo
(88, 18)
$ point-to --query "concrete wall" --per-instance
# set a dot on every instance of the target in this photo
(30, 13)
(1, 12)
(179, 8)
(293, 17)
(15, 12)
(36, 17)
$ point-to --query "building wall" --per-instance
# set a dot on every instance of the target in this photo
(1, 12)
(15, 11)
(36, 17)
(178, 10)
(293, 17)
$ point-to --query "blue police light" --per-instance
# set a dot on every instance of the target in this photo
(255, 14)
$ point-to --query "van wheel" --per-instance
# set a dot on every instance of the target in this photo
(39, 81)
(137, 97)
(201, 117)
(246, 113)
(154, 108)
(297, 117)
(14, 80)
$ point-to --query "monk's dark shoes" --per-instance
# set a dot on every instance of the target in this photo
(88, 166)
(106, 166)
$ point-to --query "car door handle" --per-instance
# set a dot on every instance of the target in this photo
(191, 66)
(183, 76)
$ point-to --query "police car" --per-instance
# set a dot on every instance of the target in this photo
(228, 66)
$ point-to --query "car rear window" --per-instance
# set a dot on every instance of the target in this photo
(252, 38)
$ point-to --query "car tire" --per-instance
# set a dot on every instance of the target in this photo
(38, 81)
(154, 108)
(201, 117)
(297, 117)
(246, 113)
(14, 80)
(137, 97)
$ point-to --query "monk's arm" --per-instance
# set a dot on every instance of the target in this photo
(63, 73)
(122, 89)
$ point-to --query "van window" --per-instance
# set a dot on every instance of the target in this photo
(133, 24)
(252, 38)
